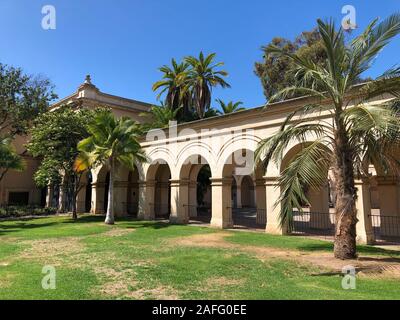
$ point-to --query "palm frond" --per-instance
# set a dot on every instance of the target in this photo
(308, 169)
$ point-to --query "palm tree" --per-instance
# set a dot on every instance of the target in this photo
(174, 84)
(359, 132)
(9, 158)
(202, 77)
(211, 112)
(159, 117)
(229, 107)
(112, 141)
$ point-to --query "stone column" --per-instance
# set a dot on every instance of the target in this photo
(142, 200)
(148, 199)
(272, 191)
(179, 201)
(49, 196)
(120, 198)
(365, 234)
(260, 201)
(221, 203)
(98, 189)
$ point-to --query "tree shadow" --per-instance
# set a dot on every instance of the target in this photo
(369, 250)
(7, 229)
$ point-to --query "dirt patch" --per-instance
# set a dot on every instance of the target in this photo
(368, 266)
(222, 282)
(122, 285)
(159, 293)
(117, 232)
(53, 251)
(210, 240)
(7, 281)
(385, 271)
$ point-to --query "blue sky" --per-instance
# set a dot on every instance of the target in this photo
(122, 43)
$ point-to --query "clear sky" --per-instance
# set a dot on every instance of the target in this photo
(121, 43)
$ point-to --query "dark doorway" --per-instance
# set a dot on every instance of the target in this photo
(88, 196)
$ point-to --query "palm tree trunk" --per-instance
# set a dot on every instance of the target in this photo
(110, 204)
(346, 214)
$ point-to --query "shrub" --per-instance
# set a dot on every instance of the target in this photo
(21, 211)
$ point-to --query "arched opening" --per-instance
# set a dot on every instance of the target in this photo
(126, 191)
(203, 195)
(315, 217)
(162, 197)
(235, 195)
(195, 175)
(248, 193)
(247, 198)
(88, 193)
(99, 197)
(384, 193)
(84, 196)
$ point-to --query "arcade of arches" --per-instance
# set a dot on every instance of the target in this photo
(207, 175)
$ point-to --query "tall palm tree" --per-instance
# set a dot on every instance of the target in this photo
(202, 77)
(229, 107)
(111, 142)
(9, 158)
(359, 132)
(174, 84)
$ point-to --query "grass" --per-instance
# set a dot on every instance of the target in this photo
(301, 244)
(145, 260)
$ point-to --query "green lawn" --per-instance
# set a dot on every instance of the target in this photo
(148, 260)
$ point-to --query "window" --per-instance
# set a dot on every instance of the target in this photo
(18, 198)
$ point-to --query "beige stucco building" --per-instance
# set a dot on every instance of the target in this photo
(167, 185)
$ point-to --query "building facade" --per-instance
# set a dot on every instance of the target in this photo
(221, 147)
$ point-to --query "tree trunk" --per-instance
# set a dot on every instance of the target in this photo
(74, 214)
(346, 213)
(110, 204)
(74, 196)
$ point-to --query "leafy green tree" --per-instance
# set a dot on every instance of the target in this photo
(359, 133)
(276, 72)
(22, 99)
(9, 158)
(111, 142)
(203, 76)
(229, 107)
(54, 139)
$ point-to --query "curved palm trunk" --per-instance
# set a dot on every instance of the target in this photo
(110, 204)
(346, 213)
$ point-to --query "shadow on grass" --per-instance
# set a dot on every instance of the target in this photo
(125, 222)
(6, 229)
(11, 226)
(368, 250)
